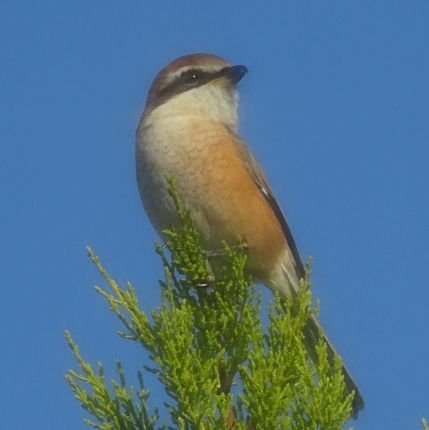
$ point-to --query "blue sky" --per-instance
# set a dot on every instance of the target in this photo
(335, 107)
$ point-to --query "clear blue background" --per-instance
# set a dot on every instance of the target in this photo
(336, 109)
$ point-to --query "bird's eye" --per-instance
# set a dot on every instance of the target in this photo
(191, 77)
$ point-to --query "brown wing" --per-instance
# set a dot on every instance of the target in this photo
(260, 179)
(313, 330)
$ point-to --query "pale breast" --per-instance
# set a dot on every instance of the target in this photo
(174, 150)
(213, 182)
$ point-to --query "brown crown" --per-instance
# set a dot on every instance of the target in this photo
(193, 60)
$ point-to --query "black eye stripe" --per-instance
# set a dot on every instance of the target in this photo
(187, 80)
(193, 76)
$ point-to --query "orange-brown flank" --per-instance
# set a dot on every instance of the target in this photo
(231, 201)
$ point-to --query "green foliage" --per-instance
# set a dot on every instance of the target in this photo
(282, 388)
(125, 408)
(205, 337)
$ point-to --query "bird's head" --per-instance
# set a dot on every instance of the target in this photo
(197, 85)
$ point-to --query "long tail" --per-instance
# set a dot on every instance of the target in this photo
(287, 282)
(312, 333)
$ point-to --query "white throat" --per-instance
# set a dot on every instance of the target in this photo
(212, 102)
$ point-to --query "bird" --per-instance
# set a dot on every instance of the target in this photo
(189, 132)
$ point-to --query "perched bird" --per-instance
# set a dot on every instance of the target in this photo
(188, 131)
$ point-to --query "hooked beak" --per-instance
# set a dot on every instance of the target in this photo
(234, 73)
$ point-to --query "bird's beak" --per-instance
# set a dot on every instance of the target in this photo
(234, 73)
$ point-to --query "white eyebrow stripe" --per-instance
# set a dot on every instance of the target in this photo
(178, 72)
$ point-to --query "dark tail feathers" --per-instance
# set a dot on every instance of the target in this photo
(312, 333)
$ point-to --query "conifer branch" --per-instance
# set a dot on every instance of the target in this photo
(220, 367)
